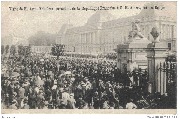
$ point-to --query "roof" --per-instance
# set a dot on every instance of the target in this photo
(81, 29)
(63, 29)
(161, 13)
(108, 20)
(100, 16)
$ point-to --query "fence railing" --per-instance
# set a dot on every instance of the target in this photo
(167, 76)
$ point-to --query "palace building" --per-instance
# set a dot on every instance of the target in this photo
(102, 33)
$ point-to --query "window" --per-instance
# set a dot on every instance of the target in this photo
(169, 46)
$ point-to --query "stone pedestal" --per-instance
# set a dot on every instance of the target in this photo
(156, 54)
(132, 54)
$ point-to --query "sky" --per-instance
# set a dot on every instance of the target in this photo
(24, 23)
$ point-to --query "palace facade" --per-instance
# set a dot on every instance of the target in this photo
(102, 33)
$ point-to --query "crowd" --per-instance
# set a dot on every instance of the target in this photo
(71, 83)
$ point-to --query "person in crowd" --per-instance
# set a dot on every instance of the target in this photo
(131, 105)
(25, 104)
(80, 103)
(13, 105)
(71, 102)
(67, 83)
(45, 106)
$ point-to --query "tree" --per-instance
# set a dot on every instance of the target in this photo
(27, 51)
(24, 50)
(13, 50)
(58, 50)
(20, 50)
(2, 49)
(42, 38)
(7, 49)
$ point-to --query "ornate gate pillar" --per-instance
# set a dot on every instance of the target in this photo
(156, 54)
(132, 54)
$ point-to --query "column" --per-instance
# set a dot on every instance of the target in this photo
(161, 32)
(130, 60)
(93, 37)
(96, 41)
(171, 31)
(166, 32)
(158, 82)
(175, 32)
(90, 42)
(156, 55)
(164, 83)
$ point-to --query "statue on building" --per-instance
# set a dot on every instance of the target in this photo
(136, 31)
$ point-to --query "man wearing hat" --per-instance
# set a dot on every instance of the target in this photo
(80, 103)
(25, 106)
(13, 105)
(83, 85)
(101, 85)
(32, 97)
(131, 105)
(88, 84)
(96, 100)
(40, 98)
(62, 104)
(20, 93)
(65, 95)
(38, 80)
(26, 85)
(71, 102)
(45, 105)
